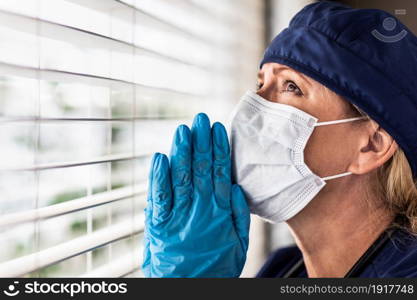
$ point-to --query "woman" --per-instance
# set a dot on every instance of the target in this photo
(347, 190)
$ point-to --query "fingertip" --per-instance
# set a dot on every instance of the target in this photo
(221, 166)
(182, 135)
(185, 135)
(180, 158)
(163, 160)
(220, 139)
(184, 128)
(201, 133)
(201, 121)
(161, 189)
(151, 174)
(153, 159)
(201, 118)
(219, 126)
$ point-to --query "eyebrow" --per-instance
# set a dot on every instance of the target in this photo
(299, 74)
(260, 74)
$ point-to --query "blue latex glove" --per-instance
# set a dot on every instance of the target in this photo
(197, 222)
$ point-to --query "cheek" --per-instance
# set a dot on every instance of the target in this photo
(329, 149)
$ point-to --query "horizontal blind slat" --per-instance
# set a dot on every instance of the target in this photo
(118, 267)
(67, 32)
(94, 49)
(98, 5)
(140, 53)
(103, 159)
(54, 74)
(35, 119)
(72, 205)
(32, 262)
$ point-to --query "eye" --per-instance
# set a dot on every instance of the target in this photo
(291, 87)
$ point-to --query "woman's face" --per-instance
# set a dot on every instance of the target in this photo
(330, 149)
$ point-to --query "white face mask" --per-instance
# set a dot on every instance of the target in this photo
(267, 141)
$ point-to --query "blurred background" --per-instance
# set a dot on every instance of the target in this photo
(89, 90)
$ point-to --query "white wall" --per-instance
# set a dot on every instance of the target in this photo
(282, 11)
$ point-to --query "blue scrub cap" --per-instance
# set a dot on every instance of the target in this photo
(365, 55)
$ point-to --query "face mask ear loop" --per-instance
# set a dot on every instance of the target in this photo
(336, 176)
(339, 121)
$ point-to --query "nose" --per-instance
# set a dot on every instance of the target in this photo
(266, 92)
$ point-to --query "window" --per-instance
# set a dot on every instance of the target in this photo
(89, 90)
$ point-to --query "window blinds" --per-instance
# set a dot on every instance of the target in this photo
(89, 89)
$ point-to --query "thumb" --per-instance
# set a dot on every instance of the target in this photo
(146, 254)
(241, 215)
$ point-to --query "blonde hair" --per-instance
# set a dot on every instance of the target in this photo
(395, 186)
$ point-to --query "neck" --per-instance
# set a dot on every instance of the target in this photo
(335, 229)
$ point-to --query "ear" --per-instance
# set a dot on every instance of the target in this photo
(376, 147)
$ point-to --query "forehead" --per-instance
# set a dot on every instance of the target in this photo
(273, 68)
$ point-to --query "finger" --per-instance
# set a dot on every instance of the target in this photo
(180, 159)
(150, 178)
(241, 215)
(221, 166)
(161, 189)
(148, 220)
(202, 155)
(146, 244)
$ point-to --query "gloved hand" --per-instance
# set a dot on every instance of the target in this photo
(197, 222)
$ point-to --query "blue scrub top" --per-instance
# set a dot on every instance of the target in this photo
(396, 257)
